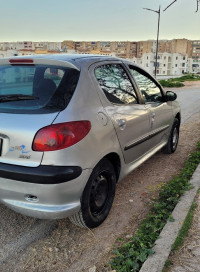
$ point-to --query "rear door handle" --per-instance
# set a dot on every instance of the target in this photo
(121, 123)
(153, 116)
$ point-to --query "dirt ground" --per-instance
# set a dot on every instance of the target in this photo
(193, 84)
(72, 249)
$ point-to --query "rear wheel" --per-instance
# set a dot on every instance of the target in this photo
(173, 138)
(97, 197)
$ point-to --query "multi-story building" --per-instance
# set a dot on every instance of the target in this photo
(8, 53)
(175, 56)
(67, 45)
(195, 50)
(120, 49)
(193, 66)
(145, 47)
(167, 63)
(28, 45)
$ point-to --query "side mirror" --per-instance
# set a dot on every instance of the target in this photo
(170, 96)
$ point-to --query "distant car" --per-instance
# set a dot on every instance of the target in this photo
(72, 126)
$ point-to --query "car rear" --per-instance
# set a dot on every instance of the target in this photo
(33, 91)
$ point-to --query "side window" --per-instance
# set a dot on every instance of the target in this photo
(150, 91)
(116, 84)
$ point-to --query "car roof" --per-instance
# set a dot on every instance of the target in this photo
(76, 59)
(67, 57)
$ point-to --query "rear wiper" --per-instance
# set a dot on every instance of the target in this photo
(16, 97)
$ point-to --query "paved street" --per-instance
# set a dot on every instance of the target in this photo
(189, 99)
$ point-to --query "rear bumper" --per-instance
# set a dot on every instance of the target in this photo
(43, 174)
(51, 201)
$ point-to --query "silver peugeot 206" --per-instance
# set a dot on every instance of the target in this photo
(72, 126)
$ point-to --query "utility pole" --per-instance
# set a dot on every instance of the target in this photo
(158, 30)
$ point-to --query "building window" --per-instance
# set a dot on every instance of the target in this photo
(176, 65)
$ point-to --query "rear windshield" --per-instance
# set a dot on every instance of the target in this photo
(36, 89)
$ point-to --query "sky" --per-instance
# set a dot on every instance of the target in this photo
(90, 20)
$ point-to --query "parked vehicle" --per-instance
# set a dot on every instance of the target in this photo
(72, 126)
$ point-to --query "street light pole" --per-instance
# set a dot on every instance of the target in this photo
(156, 64)
(158, 30)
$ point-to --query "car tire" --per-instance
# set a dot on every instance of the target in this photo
(173, 138)
(97, 197)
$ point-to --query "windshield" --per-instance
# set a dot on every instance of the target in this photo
(37, 88)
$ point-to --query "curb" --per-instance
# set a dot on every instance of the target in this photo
(168, 235)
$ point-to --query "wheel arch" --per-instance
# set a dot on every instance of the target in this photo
(115, 160)
(178, 116)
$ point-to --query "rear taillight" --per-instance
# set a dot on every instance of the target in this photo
(59, 136)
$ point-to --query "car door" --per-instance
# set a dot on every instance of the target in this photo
(122, 104)
(161, 115)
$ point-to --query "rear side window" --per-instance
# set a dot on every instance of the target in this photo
(36, 88)
(115, 84)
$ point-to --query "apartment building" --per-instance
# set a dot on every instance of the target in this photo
(193, 66)
(16, 45)
(175, 56)
(145, 47)
(121, 49)
(8, 53)
(195, 50)
(167, 63)
(67, 45)
(29, 45)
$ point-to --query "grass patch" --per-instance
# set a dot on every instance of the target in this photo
(178, 82)
(131, 255)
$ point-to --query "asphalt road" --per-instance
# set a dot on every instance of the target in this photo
(17, 231)
(189, 100)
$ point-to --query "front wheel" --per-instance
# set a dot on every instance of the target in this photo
(97, 197)
(173, 138)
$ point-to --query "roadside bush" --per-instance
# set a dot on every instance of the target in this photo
(169, 84)
(188, 77)
(178, 82)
